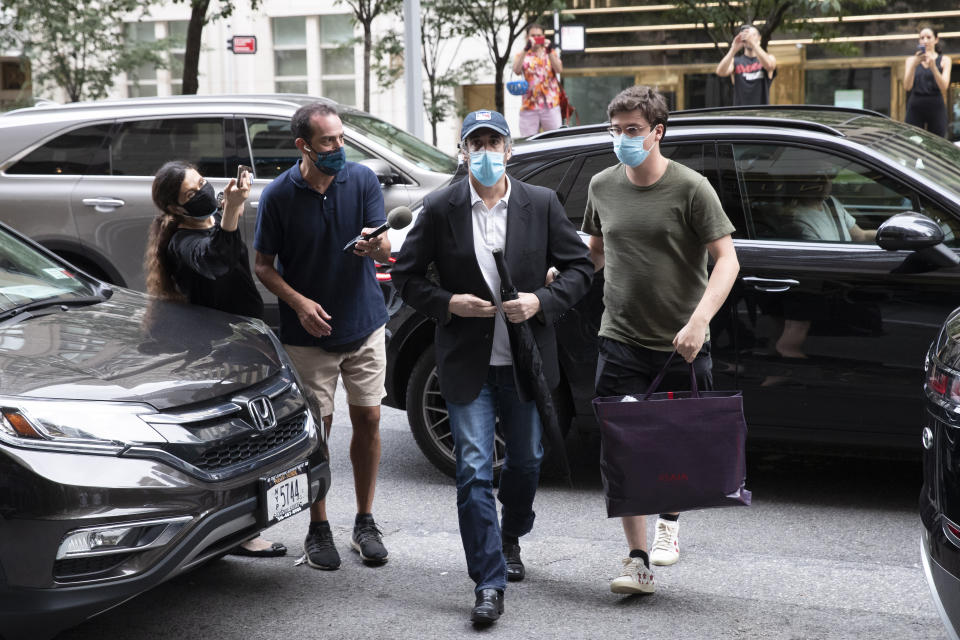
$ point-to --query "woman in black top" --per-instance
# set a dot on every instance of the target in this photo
(195, 254)
(926, 78)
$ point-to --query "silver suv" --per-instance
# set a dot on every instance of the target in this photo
(76, 178)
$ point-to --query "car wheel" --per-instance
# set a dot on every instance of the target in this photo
(429, 421)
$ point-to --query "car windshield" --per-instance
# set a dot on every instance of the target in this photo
(927, 154)
(27, 276)
(400, 142)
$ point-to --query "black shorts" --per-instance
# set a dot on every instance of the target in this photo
(623, 369)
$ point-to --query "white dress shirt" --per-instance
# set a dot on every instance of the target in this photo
(489, 233)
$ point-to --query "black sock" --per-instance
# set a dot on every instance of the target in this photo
(362, 516)
(671, 518)
(510, 539)
(317, 525)
(640, 553)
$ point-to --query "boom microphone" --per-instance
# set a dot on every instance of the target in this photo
(398, 218)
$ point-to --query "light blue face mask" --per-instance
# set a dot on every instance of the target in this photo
(630, 151)
(487, 166)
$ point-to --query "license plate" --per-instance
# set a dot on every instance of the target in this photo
(285, 494)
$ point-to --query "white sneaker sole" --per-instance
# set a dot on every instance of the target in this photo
(356, 547)
(630, 587)
(662, 561)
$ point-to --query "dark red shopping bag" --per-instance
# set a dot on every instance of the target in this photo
(672, 451)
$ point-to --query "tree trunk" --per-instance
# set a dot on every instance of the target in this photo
(367, 47)
(191, 57)
(431, 114)
(498, 79)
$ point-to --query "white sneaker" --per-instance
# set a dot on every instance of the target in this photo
(635, 578)
(666, 544)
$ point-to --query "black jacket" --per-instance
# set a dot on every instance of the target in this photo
(210, 267)
(539, 236)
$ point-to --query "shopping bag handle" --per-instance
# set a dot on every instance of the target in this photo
(694, 392)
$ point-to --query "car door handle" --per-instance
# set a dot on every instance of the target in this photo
(771, 285)
(104, 205)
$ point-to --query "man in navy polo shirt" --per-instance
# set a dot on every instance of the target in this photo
(332, 313)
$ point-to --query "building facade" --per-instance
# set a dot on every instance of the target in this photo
(630, 43)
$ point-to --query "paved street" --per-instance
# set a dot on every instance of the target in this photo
(829, 550)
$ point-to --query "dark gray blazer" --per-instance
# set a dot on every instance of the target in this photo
(539, 236)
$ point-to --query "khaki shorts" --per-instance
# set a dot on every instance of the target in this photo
(363, 372)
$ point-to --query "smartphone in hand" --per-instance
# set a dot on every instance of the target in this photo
(241, 169)
(921, 49)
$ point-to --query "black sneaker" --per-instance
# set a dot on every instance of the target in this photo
(367, 540)
(319, 548)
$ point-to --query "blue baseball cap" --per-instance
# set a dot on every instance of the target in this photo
(484, 119)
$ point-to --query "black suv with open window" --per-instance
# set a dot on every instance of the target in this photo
(825, 335)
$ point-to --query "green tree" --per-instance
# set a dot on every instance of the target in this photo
(79, 45)
(200, 16)
(364, 12)
(442, 28)
(721, 19)
(500, 23)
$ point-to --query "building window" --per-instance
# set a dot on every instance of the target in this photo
(177, 36)
(142, 81)
(706, 90)
(862, 88)
(324, 62)
(337, 58)
(591, 94)
(290, 54)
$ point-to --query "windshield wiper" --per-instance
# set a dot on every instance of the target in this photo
(78, 301)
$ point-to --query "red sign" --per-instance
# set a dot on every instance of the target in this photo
(242, 44)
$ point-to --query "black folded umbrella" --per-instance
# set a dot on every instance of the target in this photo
(529, 364)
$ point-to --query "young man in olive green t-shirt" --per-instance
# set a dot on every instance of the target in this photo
(652, 223)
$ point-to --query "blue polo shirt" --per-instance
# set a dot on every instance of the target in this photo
(307, 231)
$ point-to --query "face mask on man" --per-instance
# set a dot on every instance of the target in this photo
(630, 151)
(203, 204)
(486, 166)
(331, 162)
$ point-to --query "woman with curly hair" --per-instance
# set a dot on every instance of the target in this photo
(195, 254)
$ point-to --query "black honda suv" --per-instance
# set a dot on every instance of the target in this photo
(825, 336)
(138, 439)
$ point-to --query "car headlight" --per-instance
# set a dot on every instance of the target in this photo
(75, 425)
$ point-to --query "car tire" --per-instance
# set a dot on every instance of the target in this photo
(427, 415)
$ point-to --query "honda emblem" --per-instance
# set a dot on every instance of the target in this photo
(261, 413)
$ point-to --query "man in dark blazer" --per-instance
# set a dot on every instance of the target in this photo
(456, 232)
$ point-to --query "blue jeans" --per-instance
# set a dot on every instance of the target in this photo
(473, 426)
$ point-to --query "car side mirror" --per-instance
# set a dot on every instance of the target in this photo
(916, 232)
(384, 172)
(909, 232)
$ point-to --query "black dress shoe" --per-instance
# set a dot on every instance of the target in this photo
(489, 606)
(515, 570)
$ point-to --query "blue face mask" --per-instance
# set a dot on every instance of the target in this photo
(630, 151)
(331, 162)
(487, 166)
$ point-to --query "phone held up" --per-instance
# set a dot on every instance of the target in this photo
(241, 169)
(921, 49)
